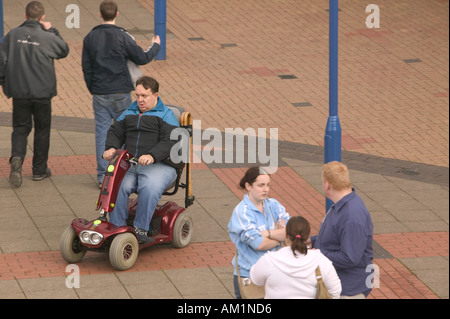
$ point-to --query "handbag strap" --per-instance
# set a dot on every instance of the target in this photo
(318, 274)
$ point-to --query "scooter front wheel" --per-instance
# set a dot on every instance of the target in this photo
(70, 247)
(124, 251)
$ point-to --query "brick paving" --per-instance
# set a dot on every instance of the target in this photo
(265, 64)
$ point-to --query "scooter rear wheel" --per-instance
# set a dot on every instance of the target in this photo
(182, 230)
(124, 251)
(69, 246)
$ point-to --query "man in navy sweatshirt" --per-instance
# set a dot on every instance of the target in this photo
(346, 233)
(107, 51)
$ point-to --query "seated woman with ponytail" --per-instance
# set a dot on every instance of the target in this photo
(289, 273)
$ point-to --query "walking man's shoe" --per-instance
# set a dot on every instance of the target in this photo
(15, 177)
(40, 177)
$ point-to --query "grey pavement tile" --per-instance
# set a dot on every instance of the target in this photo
(371, 204)
(220, 209)
(442, 213)
(101, 286)
(425, 263)
(12, 295)
(118, 292)
(46, 205)
(406, 184)
(99, 280)
(390, 227)
(416, 215)
(381, 216)
(83, 206)
(59, 147)
(199, 283)
(5, 188)
(52, 235)
(14, 245)
(12, 208)
(80, 143)
(209, 187)
(427, 226)
(359, 177)
(375, 186)
(148, 285)
(36, 189)
(205, 227)
(43, 284)
(393, 201)
(75, 185)
(225, 275)
(53, 294)
(433, 271)
(9, 287)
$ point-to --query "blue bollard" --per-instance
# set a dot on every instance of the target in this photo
(333, 128)
(160, 26)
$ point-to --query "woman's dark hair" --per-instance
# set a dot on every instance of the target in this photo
(298, 230)
(251, 175)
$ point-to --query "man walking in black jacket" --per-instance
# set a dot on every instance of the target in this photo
(27, 74)
(107, 50)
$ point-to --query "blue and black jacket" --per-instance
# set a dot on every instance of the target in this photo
(144, 133)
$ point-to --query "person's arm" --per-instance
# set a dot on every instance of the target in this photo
(274, 237)
(353, 242)
(87, 65)
(108, 154)
(136, 54)
(259, 272)
(330, 278)
(4, 47)
(115, 137)
(58, 48)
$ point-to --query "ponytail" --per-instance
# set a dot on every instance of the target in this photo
(297, 230)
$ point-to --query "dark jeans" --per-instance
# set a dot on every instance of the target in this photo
(25, 112)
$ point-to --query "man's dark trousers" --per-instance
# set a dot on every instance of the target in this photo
(24, 112)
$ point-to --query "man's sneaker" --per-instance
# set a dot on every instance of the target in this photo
(15, 177)
(142, 236)
(40, 177)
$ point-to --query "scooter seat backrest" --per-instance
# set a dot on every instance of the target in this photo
(177, 111)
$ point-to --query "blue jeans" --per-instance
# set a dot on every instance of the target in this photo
(106, 109)
(150, 182)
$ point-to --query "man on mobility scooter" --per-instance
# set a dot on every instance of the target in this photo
(144, 129)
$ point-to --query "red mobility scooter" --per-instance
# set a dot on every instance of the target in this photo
(170, 223)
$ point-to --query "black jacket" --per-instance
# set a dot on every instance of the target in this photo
(144, 133)
(27, 61)
(106, 50)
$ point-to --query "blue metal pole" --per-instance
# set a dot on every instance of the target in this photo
(2, 28)
(333, 128)
(160, 26)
